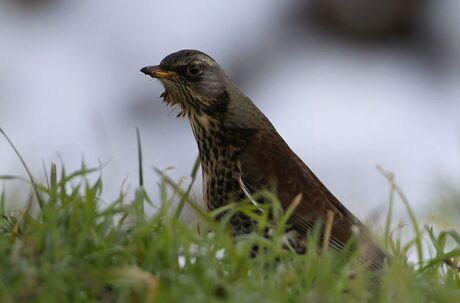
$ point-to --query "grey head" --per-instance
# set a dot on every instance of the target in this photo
(193, 81)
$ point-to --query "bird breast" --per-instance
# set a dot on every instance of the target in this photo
(218, 163)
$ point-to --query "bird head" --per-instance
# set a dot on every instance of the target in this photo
(193, 81)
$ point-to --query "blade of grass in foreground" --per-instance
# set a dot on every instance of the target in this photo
(139, 157)
(194, 205)
(410, 212)
(29, 173)
(182, 201)
(389, 217)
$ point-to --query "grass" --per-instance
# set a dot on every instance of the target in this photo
(67, 245)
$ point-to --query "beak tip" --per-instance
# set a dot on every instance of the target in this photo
(145, 70)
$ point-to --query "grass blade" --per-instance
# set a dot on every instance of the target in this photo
(182, 201)
(29, 173)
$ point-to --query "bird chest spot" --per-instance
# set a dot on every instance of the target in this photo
(205, 122)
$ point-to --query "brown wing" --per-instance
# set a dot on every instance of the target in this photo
(268, 161)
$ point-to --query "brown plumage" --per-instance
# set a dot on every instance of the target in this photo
(241, 153)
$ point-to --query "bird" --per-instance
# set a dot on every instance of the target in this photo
(241, 153)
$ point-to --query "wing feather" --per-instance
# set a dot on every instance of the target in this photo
(269, 163)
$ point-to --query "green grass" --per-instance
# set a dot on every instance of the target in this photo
(67, 245)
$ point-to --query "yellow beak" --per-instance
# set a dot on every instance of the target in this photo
(155, 71)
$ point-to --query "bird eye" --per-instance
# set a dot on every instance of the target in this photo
(194, 69)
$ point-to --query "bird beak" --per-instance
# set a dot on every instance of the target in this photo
(155, 71)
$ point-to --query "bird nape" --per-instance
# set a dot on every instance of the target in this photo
(241, 153)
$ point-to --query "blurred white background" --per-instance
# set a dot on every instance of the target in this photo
(346, 91)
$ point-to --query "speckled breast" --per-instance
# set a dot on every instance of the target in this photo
(219, 149)
(218, 163)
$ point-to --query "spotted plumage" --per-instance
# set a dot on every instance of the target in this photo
(219, 152)
(241, 153)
